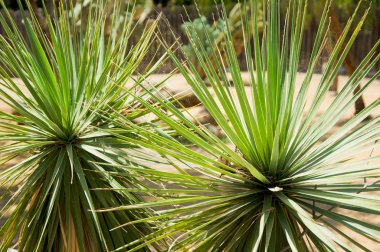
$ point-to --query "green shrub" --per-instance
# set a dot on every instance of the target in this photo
(73, 80)
(203, 29)
(282, 167)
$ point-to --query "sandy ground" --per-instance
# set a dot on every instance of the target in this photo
(178, 84)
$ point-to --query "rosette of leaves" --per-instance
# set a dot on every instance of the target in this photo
(55, 148)
(278, 180)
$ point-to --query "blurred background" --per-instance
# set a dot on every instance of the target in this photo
(178, 13)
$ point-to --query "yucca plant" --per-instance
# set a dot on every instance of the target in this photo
(277, 180)
(54, 147)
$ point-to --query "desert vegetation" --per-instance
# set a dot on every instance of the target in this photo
(98, 155)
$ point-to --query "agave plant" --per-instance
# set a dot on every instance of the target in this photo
(203, 29)
(55, 149)
(216, 33)
(277, 181)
